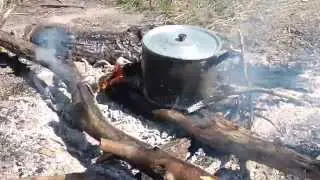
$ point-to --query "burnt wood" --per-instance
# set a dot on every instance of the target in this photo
(155, 161)
(99, 45)
(225, 136)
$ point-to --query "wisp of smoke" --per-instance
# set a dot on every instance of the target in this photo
(55, 46)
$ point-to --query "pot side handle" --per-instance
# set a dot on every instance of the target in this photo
(227, 52)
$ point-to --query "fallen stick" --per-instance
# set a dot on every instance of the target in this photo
(227, 137)
(215, 99)
(273, 93)
(62, 6)
(155, 161)
(90, 119)
(245, 71)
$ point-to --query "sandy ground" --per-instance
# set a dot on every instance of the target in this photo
(34, 141)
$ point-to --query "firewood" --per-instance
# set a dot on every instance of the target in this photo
(90, 119)
(154, 161)
(102, 45)
(227, 137)
(62, 6)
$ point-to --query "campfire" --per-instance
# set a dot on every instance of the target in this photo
(212, 121)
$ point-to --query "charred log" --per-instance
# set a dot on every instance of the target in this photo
(225, 136)
(155, 162)
(98, 45)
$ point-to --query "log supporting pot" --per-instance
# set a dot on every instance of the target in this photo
(179, 64)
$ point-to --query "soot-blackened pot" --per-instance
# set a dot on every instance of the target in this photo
(179, 64)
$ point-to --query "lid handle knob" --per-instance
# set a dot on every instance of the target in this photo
(181, 37)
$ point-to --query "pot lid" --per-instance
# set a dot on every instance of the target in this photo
(182, 42)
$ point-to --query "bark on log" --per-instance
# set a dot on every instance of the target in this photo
(225, 136)
(91, 119)
(154, 161)
(99, 45)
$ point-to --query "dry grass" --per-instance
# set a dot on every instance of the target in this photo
(185, 11)
(281, 30)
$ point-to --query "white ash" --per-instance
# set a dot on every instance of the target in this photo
(29, 145)
(36, 142)
(56, 95)
(140, 128)
(133, 125)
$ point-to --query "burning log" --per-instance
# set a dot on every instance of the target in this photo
(154, 161)
(89, 117)
(227, 137)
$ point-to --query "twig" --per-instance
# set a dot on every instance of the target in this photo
(271, 92)
(269, 121)
(62, 6)
(236, 93)
(86, 64)
(20, 13)
(245, 71)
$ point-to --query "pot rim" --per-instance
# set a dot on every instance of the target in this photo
(211, 33)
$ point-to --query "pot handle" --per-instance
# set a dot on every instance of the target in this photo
(228, 54)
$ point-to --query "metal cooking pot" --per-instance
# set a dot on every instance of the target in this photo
(179, 64)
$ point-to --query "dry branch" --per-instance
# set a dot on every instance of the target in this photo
(155, 161)
(227, 137)
(90, 119)
(62, 6)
